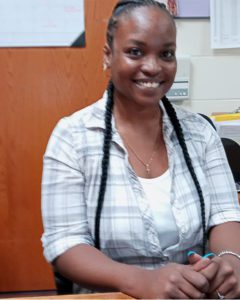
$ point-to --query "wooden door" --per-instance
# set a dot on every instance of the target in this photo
(37, 87)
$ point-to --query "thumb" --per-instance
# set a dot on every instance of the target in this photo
(193, 257)
(197, 261)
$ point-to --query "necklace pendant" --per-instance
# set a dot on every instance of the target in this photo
(147, 169)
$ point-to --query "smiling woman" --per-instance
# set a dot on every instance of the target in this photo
(132, 183)
(141, 57)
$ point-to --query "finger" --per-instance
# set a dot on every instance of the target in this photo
(201, 264)
(180, 295)
(211, 270)
(193, 257)
(191, 291)
(197, 280)
(229, 287)
(225, 275)
(215, 295)
(197, 261)
(173, 291)
(231, 294)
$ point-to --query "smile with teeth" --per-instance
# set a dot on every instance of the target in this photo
(148, 84)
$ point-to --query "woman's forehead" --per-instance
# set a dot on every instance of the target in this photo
(145, 21)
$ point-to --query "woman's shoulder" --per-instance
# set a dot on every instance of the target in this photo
(72, 131)
(88, 117)
(89, 114)
(185, 114)
(194, 119)
(196, 126)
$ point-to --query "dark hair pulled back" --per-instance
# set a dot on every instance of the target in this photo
(124, 7)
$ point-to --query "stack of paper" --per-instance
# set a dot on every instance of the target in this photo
(226, 117)
(228, 125)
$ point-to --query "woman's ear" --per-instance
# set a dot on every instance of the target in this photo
(107, 57)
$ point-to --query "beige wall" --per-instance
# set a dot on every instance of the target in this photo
(215, 79)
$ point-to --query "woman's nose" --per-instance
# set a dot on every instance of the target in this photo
(151, 66)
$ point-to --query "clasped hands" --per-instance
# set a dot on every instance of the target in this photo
(209, 277)
(223, 280)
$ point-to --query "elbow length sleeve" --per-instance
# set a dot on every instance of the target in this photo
(224, 202)
(63, 205)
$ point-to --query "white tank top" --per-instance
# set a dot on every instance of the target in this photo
(157, 191)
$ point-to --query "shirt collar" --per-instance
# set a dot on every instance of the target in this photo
(96, 118)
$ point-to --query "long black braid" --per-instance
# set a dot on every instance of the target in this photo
(178, 129)
(124, 7)
(105, 162)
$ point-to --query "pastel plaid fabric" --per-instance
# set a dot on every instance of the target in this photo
(70, 187)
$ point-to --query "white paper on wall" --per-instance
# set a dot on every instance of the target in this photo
(225, 23)
(42, 23)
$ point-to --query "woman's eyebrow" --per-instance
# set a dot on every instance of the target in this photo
(140, 43)
(136, 42)
(170, 44)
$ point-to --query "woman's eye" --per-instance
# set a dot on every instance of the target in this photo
(168, 54)
(135, 52)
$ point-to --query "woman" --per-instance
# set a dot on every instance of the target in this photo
(131, 186)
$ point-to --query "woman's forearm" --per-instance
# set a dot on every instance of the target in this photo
(89, 267)
(86, 265)
(225, 237)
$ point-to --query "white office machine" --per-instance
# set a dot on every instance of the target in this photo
(180, 87)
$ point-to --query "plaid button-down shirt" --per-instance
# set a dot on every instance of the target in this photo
(70, 187)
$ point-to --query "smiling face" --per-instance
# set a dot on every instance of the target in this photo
(142, 56)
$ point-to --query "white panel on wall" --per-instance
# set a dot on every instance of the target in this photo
(193, 37)
(215, 78)
(208, 106)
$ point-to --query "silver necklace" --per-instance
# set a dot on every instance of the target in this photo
(147, 164)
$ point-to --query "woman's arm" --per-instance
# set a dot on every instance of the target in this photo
(224, 271)
(225, 237)
(89, 267)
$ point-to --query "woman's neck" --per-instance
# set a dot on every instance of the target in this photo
(137, 116)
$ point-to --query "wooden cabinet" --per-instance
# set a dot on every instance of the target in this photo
(38, 86)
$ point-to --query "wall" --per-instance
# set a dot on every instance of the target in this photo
(215, 84)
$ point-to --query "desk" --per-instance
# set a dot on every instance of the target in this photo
(78, 296)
